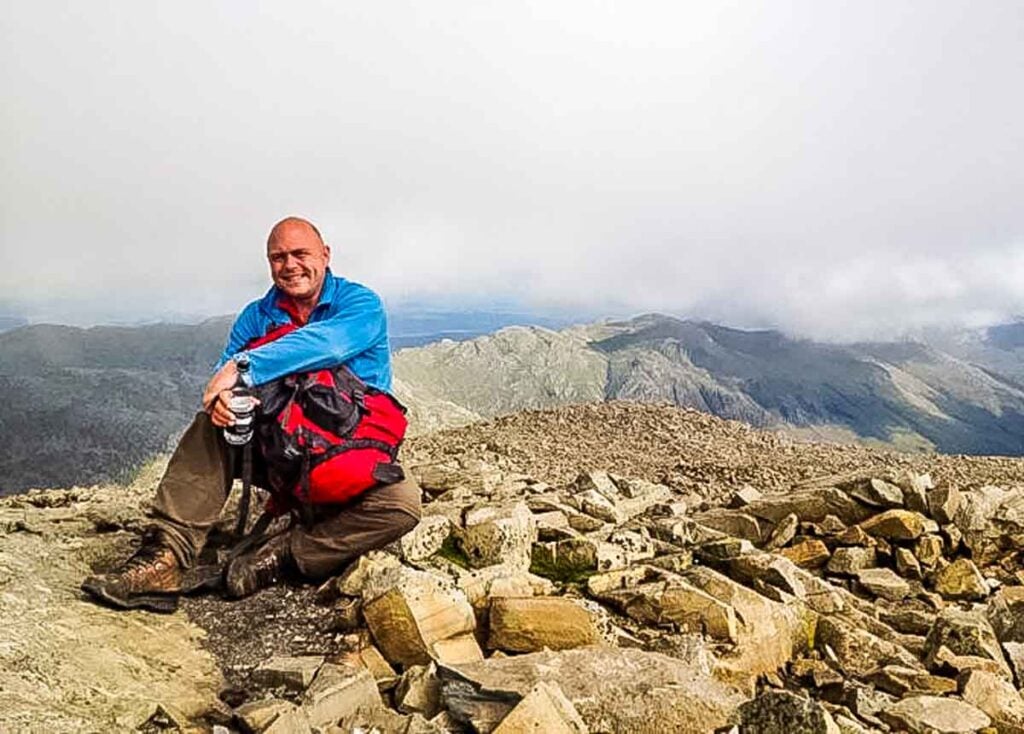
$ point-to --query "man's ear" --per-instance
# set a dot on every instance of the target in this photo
(327, 252)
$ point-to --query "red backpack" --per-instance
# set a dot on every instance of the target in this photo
(326, 436)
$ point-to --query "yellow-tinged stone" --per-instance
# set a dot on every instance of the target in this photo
(530, 624)
(456, 650)
(408, 621)
(895, 525)
(807, 554)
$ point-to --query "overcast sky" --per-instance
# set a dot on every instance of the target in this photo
(835, 169)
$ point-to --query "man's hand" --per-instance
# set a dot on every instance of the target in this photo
(218, 393)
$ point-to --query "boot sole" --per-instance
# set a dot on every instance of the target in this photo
(160, 603)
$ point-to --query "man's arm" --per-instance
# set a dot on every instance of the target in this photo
(357, 324)
(216, 393)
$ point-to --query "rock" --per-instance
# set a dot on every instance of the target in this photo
(915, 490)
(810, 505)
(1006, 613)
(992, 521)
(784, 712)
(767, 568)
(908, 620)
(574, 558)
(496, 534)
(784, 532)
(1015, 656)
(856, 651)
(850, 561)
(641, 692)
(614, 499)
(678, 603)
(856, 536)
(928, 551)
(997, 698)
(528, 625)
(963, 633)
(769, 633)
(294, 673)
(946, 661)
(883, 582)
(744, 496)
(807, 554)
(419, 691)
(817, 672)
(290, 722)
(409, 621)
(961, 579)
(480, 584)
(426, 538)
(875, 492)
(901, 681)
(544, 709)
(370, 575)
(339, 691)
(256, 717)
(907, 565)
(895, 525)
(732, 522)
(370, 657)
(943, 502)
(926, 714)
(636, 546)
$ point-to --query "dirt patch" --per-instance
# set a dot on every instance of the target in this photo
(242, 633)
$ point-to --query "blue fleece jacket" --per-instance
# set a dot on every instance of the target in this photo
(347, 326)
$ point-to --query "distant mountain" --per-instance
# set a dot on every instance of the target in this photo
(87, 405)
(11, 322)
(908, 394)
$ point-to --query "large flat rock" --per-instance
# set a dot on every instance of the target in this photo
(639, 691)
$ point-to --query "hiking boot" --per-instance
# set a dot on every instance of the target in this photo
(149, 579)
(260, 568)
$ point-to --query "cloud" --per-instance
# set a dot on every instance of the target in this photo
(838, 170)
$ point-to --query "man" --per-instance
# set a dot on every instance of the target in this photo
(339, 322)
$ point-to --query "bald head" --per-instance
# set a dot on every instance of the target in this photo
(290, 226)
(298, 260)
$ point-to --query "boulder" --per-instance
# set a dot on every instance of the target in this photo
(529, 625)
(1006, 613)
(421, 611)
(928, 551)
(849, 561)
(943, 502)
(783, 533)
(615, 499)
(907, 565)
(856, 651)
(884, 583)
(875, 492)
(810, 505)
(260, 716)
(496, 533)
(419, 691)
(896, 525)
(992, 521)
(961, 579)
(811, 553)
(927, 714)
(784, 712)
(901, 681)
(339, 691)
(640, 692)
(676, 602)
(997, 697)
(425, 539)
(963, 633)
(544, 709)
(732, 522)
(294, 673)
(915, 490)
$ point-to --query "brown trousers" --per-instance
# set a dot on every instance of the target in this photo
(198, 481)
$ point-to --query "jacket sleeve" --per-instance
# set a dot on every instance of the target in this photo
(245, 329)
(356, 324)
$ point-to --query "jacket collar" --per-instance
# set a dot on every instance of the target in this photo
(271, 303)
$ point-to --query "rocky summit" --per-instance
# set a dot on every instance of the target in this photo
(592, 568)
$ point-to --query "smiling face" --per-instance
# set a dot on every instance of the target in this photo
(298, 260)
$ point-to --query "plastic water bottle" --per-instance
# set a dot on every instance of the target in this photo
(243, 405)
